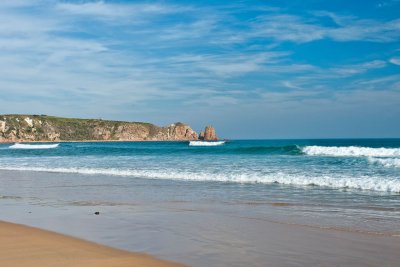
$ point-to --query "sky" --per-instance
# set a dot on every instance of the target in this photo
(252, 69)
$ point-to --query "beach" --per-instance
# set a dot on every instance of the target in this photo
(26, 246)
(209, 206)
(192, 234)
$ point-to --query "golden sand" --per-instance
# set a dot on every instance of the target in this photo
(22, 246)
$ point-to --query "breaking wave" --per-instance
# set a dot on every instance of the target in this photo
(390, 162)
(29, 146)
(206, 143)
(350, 151)
(373, 183)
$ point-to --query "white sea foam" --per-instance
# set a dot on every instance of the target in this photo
(374, 183)
(351, 151)
(388, 162)
(30, 146)
(206, 143)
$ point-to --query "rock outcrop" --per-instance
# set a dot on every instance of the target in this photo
(208, 134)
(180, 131)
(25, 128)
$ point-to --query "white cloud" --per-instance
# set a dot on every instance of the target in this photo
(98, 8)
(395, 61)
(287, 28)
(293, 28)
(18, 3)
(291, 85)
(101, 9)
(231, 65)
(359, 68)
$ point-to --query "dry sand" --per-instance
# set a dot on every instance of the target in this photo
(26, 246)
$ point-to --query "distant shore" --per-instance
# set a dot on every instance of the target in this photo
(95, 141)
(22, 246)
(105, 141)
(44, 128)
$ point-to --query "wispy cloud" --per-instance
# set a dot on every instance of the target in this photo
(106, 10)
(230, 65)
(293, 28)
(353, 69)
(395, 61)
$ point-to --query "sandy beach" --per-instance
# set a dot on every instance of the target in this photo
(27, 246)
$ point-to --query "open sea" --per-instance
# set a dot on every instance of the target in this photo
(163, 190)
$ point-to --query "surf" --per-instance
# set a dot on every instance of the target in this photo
(206, 143)
(36, 146)
(386, 162)
(350, 151)
(369, 183)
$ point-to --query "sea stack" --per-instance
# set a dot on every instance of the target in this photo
(208, 134)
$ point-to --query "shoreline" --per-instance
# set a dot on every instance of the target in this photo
(26, 242)
(22, 245)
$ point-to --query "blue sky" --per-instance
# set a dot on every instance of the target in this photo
(253, 69)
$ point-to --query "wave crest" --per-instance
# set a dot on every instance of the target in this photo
(390, 162)
(29, 146)
(206, 143)
(350, 151)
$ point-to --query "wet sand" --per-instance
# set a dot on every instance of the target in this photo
(26, 246)
(145, 216)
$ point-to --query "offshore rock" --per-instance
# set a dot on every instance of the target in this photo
(208, 134)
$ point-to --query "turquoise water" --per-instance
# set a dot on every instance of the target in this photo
(215, 204)
(320, 176)
(372, 165)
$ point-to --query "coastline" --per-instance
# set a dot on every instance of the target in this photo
(22, 245)
(44, 128)
(95, 141)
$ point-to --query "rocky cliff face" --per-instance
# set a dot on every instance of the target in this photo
(23, 128)
(208, 134)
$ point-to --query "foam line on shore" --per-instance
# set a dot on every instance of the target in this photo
(372, 183)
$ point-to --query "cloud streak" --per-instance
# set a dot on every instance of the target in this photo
(292, 28)
(395, 61)
(103, 10)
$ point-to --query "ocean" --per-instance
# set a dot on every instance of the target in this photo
(163, 190)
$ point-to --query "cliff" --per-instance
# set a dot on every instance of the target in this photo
(25, 128)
